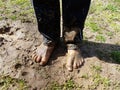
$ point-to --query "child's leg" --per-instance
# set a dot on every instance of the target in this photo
(47, 14)
(75, 12)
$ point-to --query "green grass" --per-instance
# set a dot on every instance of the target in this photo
(98, 79)
(110, 34)
(111, 7)
(100, 38)
(96, 68)
(118, 68)
(6, 83)
(94, 26)
(16, 10)
(68, 85)
(104, 19)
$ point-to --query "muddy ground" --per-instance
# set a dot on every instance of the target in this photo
(17, 42)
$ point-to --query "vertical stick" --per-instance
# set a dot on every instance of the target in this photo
(61, 19)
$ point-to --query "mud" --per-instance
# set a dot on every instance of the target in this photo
(18, 41)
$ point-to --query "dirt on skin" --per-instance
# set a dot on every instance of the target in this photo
(18, 41)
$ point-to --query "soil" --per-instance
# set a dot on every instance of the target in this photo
(18, 41)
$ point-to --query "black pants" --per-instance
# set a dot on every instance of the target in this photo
(48, 18)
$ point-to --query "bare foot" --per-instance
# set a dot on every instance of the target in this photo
(74, 59)
(42, 54)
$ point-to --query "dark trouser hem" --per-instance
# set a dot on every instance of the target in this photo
(73, 38)
(72, 47)
(48, 42)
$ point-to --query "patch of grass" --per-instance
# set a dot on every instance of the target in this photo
(7, 83)
(16, 10)
(116, 27)
(110, 34)
(55, 86)
(118, 68)
(96, 68)
(117, 1)
(111, 7)
(68, 85)
(99, 80)
(100, 38)
(13, 17)
(103, 18)
(115, 56)
(94, 26)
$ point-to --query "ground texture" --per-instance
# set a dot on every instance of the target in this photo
(19, 37)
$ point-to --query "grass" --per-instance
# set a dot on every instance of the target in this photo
(100, 38)
(111, 7)
(94, 26)
(96, 68)
(98, 79)
(16, 10)
(115, 56)
(118, 68)
(68, 85)
(7, 83)
(104, 19)
(95, 80)
(110, 34)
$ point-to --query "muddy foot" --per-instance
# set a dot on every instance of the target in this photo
(42, 54)
(74, 59)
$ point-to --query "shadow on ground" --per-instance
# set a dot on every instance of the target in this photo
(106, 52)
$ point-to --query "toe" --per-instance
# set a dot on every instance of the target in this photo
(43, 61)
(38, 59)
(81, 61)
(78, 64)
(35, 58)
(69, 68)
(75, 65)
(69, 63)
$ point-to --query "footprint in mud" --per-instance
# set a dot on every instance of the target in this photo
(24, 73)
(18, 65)
(5, 29)
(1, 41)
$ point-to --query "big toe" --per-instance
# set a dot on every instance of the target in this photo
(69, 65)
(75, 65)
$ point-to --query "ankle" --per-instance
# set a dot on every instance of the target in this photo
(72, 47)
(49, 43)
